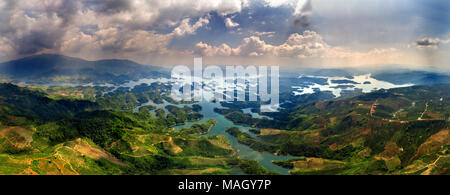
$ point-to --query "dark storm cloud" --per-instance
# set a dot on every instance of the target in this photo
(38, 40)
(48, 35)
(66, 11)
(5, 16)
(54, 20)
(427, 42)
(303, 14)
(108, 6)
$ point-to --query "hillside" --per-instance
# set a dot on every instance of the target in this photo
(414, 77)
(50, 68)
(40, 135)
(35, 106)
(397, 131)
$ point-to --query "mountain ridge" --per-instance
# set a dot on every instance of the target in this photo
(60, 68)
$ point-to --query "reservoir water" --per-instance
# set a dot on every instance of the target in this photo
(244, 152)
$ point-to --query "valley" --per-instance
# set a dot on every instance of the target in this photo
(135, 127)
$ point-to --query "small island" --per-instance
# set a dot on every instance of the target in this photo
(200, 128)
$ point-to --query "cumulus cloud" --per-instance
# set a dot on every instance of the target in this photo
(129, 28)
(140, 13)
(33, 26)
(428, 42)
(109, 6)
(204, 49)
(302, 10)
(185, 28)
(230, 24)
(307, 45)
(63, 9)
(302, 13)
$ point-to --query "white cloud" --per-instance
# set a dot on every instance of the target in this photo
(126, 28)
(31, 26)
(300, 6)
(164, 12)
(204, 49)
(306, 45)
(262, 34)
(230, 24)
(278, 3)
(186, 29)
(302, 10)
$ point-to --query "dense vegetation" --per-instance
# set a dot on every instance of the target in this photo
(82, 130)
(183, 115)
(76, 137)
(252, 167)
(33, 105)
(48, 68)
(200, 128)
(382, 132)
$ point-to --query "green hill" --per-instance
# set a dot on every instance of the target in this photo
(48, 68)
(397, 131)
(39, 135)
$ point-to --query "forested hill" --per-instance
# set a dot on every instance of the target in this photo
(396, 131)
(33, 105)
(40, 135)
(47, 68)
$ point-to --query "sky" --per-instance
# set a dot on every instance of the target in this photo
(294, 33)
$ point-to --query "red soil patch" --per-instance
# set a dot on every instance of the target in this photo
(434, 143)
(320, 105)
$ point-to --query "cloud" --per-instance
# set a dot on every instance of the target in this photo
(262, 34)
(34, 26)
(156, 13)
(278, 3)
(186, 29)
(302, 10)
(144, 29)
(31, 27)
(309, 44)
(109, 7)
(428, 42)
(298, 46)
(302, 13)
(253, 46)
(64, 10)
(5, 47)
(204, 49)
(117, 40)
(230, 24)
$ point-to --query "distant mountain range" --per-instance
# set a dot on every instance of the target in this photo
(396, 76)
(53, 68)
(58, 68)
(413, 77)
